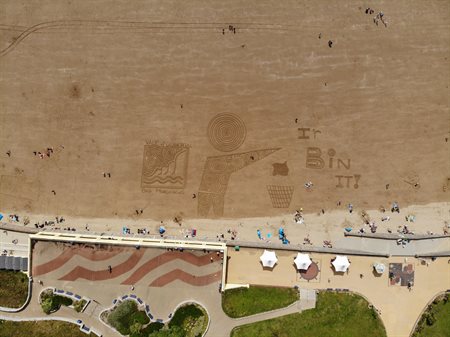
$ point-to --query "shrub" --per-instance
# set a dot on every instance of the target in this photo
(135, 328)
(79, 305)
(183, 313)
(47, 305)
(429, 316)
(174, 331)
(152, 327)
(125, 315)
(51, 302)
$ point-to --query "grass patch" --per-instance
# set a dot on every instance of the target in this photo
(242, 302)
(336, 314)
(435, 322)
(13, 288)
(40, 329)
(126, 318)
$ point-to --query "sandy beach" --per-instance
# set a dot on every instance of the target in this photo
(227, 120)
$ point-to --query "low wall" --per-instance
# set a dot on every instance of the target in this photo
(18, 228)
(301, 248)
(396, 236)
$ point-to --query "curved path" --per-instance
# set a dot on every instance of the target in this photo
(67, 254)
(221, 325)
(166, 257)
(178, 274)
(100, 275)
(33, 312)
(134, 26)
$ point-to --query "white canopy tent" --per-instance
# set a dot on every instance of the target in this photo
(268, 259)
(341, 263)
(302, 261)
(379, 267)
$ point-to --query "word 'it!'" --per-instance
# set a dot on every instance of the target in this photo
(347, 180)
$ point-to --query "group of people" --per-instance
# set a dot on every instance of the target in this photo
(45, 154)
(231, 29)
(14, 217)
(378, 17)
(309, 185)
(233, 235)
(298, 216)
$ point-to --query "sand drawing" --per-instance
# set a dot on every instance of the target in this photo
(226, 132)
(280, 169)
(348, 179)
(216, 174)
(303, 133)
(413, 180)
(280, 196)
(314, 159)
(165, 166)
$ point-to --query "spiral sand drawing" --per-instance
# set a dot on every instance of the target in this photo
(226, 132)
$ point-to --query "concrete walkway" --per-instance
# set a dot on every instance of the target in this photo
(33, 312)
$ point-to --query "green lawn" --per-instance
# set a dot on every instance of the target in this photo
(336, 314)
(13, 288)
(40, 329)
(440, 311)
(242, 302)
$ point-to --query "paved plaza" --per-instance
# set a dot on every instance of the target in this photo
(399, 307)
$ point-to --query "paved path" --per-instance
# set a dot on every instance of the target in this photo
(221, 324)
(33, 312)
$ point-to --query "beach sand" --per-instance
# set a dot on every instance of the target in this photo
(376, 105)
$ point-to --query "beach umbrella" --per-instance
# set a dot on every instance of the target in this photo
(341, 263)
(302, 261)
(379, 267)
(268, 259)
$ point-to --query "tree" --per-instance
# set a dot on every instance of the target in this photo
(47, 305)
(135, 328)
(174, 331)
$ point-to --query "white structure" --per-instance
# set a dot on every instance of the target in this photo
(341, 263)
(302, 261)
(268, 259)
(379, 267)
